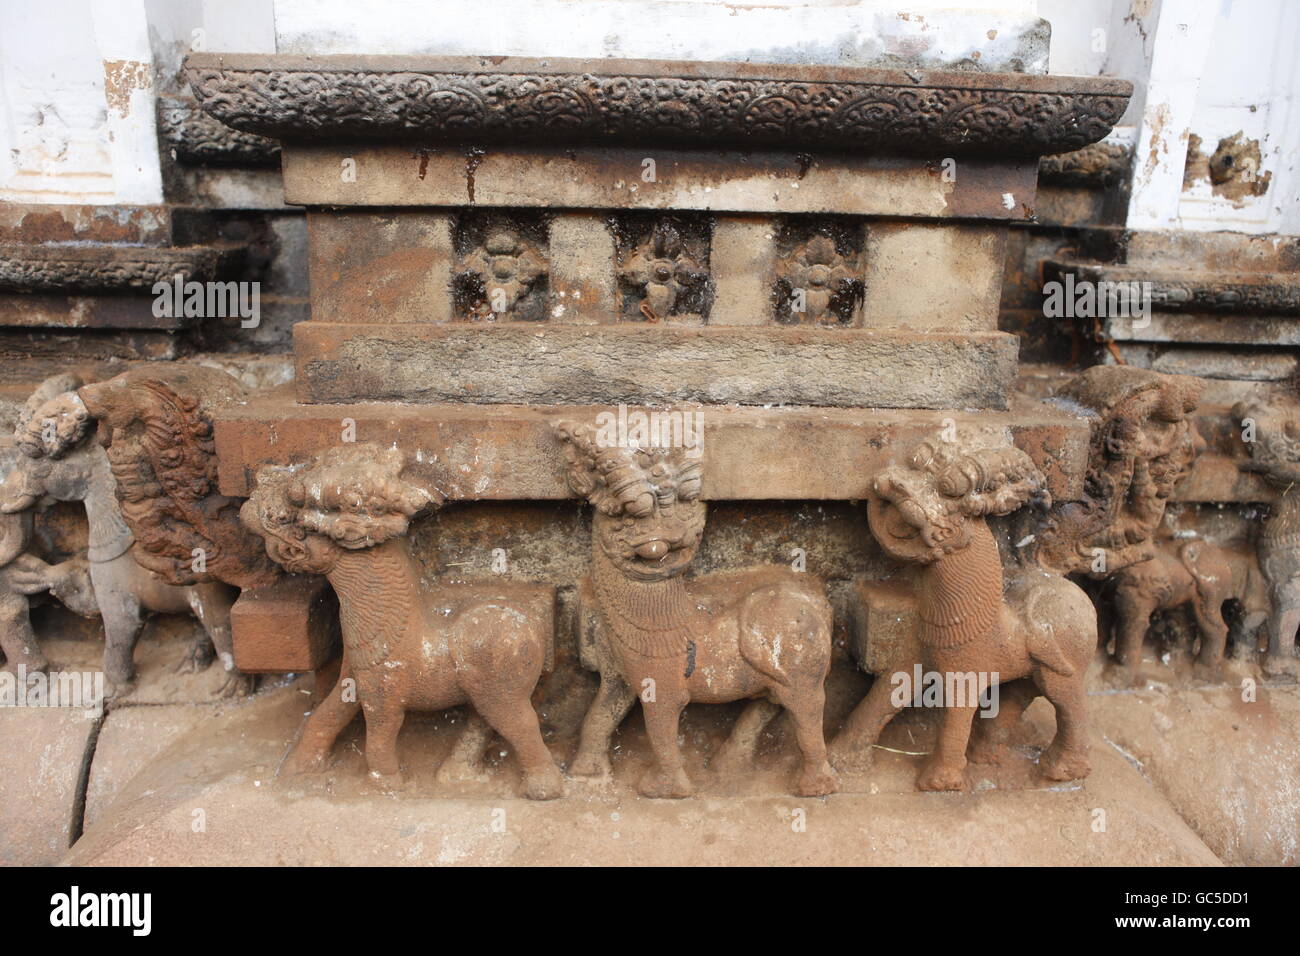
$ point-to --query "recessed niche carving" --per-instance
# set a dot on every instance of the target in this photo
(818, 272)
(663, 267)
(501, 267)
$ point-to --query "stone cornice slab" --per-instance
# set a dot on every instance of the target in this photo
(1193, 290)
(1093, 167)
(511, 452)
(558, 102)
(107, 268)
(199, 139)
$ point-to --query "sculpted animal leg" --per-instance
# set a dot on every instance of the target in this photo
(1134, 613)
(668, 777)
(203, 651)
(852, 747)
(816, 778)
(612, 702)
(465, 762)
(120, 609)
(17, 639)
(385, 711)
(1282, 630)
(212, 603)
(991, 735)
(946, 769)
(736, 755)
(1067, 757)
(1214, 634)
(514, 719)
(322, 728)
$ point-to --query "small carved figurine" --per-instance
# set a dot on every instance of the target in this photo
(161, 538)
(406, 645)
(759, 633)
(1275, 453)
(1035, 636)
(1194, 573)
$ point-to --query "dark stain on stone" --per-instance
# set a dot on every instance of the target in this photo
(473, 157)
(690, 659)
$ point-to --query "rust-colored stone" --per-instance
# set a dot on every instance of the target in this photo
(1036, 636)
(668, 641)
(406, 646)
(289, 626)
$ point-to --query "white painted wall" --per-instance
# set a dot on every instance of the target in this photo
(78, 77)
(1000, 35)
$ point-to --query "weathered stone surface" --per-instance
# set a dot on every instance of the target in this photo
(743, 259)
(507, 452)
(475, 100)
(1260, 331)
(1096, 166)
(47, 222)
(882, 616)
(108, 268)
(1242, 793)
(102, 312)
(1191, 289)
(721, 181)
(197, 138)
(639, 362)
(926, 277)
(227, 767)
(581, 281)
(287, 627)
(129, 739)
(41, 767)
(380, 267)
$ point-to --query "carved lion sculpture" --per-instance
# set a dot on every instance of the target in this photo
(763, 632)
(137, 452)
(1143, 443)
(406, 645)
(1035, 635)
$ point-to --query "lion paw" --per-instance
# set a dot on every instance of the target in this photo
(942, 776)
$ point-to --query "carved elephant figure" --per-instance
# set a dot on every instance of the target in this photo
(406, 645)
(1196, 574)
(1035, 636)
(666, 641)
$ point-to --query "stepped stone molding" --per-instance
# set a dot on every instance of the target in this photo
(105, 268)
(519, 101)
(200, 140)
(491, 452)
(1094, 166)
(547, 364)
(1188, 291)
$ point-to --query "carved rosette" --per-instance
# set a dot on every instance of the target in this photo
(507, 265)
(665, 272)
(817, 278)
(609, 102)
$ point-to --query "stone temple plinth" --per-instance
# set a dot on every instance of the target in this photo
(805, 260)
